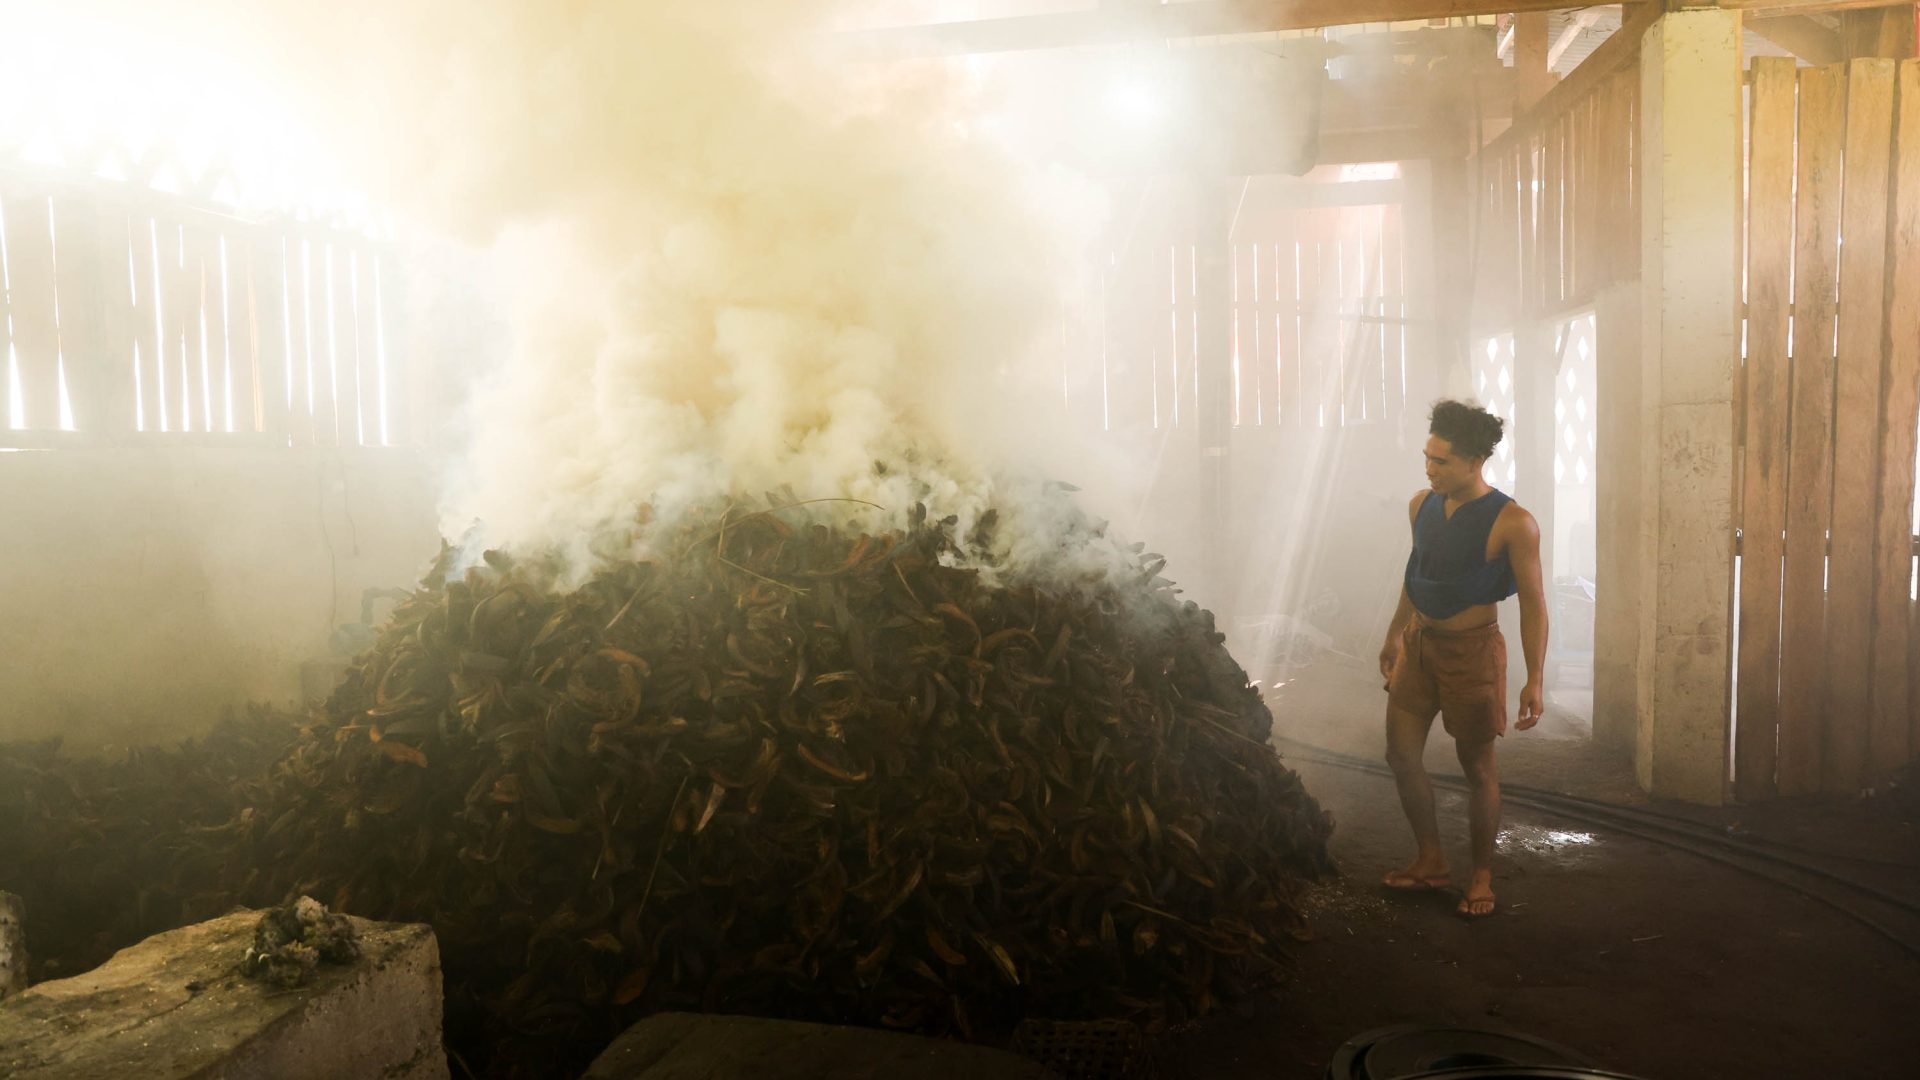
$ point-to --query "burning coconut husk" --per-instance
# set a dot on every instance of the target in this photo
(777, 767)
(794, 770)
(106, 853)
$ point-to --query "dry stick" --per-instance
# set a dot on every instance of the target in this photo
(904, 585)
(1229, 731)
(666, 834)
(793, 588)
(626, 607)
(775, 509)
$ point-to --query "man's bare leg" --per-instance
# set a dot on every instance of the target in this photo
(1406, 747)
(1483, 818)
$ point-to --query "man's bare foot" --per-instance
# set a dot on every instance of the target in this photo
(1478, 903)
(1424, 872)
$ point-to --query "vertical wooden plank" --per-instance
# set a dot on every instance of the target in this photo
(405, 414)
(1630, 84)
(326, 384)
(1550, 214)
(1516, 261)
(1609, 145)
(266, 330)
(98, 388)
(377, 395)
(1286, 325)
(1577, 146)
(30, 281)
(1764, 484)
(1821, 130)
(304, 378)
(343, 344)
(112, 322)
(1592, 191)
(1857, 400)
(1309, 355)
(1373, 319)
(1325, 347)
(1349, 343)
(204, 394)
(1135, 339)
(1895, 734)
(1528, 268)
(234, 407)
(1393, 307)
(6, 386)
(236, 329)
(175, 293)
(356, 303)
(149, 373)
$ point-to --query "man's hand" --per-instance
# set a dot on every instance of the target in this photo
(1390, 655)
(1530, 706)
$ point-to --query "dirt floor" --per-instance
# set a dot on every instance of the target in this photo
(1653, 961)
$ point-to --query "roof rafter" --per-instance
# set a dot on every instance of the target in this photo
(1121, 24)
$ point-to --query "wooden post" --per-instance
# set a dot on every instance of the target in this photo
(1621, 534)
(1690, 175)
(1532, 77)
(1885, 32)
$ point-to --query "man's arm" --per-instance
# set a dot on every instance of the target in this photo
(1523, 553)
(1403, 614)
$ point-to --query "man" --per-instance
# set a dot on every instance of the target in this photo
(1472, 548)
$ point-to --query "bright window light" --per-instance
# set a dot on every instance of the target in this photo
(1372, 170)
(1136, 103)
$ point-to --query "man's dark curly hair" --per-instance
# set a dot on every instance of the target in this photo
(1472, 430)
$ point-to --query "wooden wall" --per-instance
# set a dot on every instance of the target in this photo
(134, 313)
(1318, 302)
(1826, 700)
(1557, 208)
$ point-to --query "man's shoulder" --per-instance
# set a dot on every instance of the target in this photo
(1516, 520)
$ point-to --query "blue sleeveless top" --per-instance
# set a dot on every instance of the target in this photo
(1448, 571)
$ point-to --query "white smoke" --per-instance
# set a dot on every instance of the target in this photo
(741, 263)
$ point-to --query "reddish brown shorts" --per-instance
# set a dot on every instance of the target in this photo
(1462, 675)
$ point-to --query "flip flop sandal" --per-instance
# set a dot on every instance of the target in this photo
(1401, 881)
(1465, 910)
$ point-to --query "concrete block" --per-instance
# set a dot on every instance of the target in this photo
(13, 945)
(175, 1006)
(689, 1046)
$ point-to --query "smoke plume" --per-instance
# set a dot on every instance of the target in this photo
(738, 263)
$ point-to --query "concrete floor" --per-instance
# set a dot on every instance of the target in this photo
(1653, 961)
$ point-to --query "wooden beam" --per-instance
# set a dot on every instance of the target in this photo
(1215, 18)
(1883, 33)
(1533, 75)
(1615, 53)
(1202, 18)
(1577, 23)
(1803, 37)
(1784, 7)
